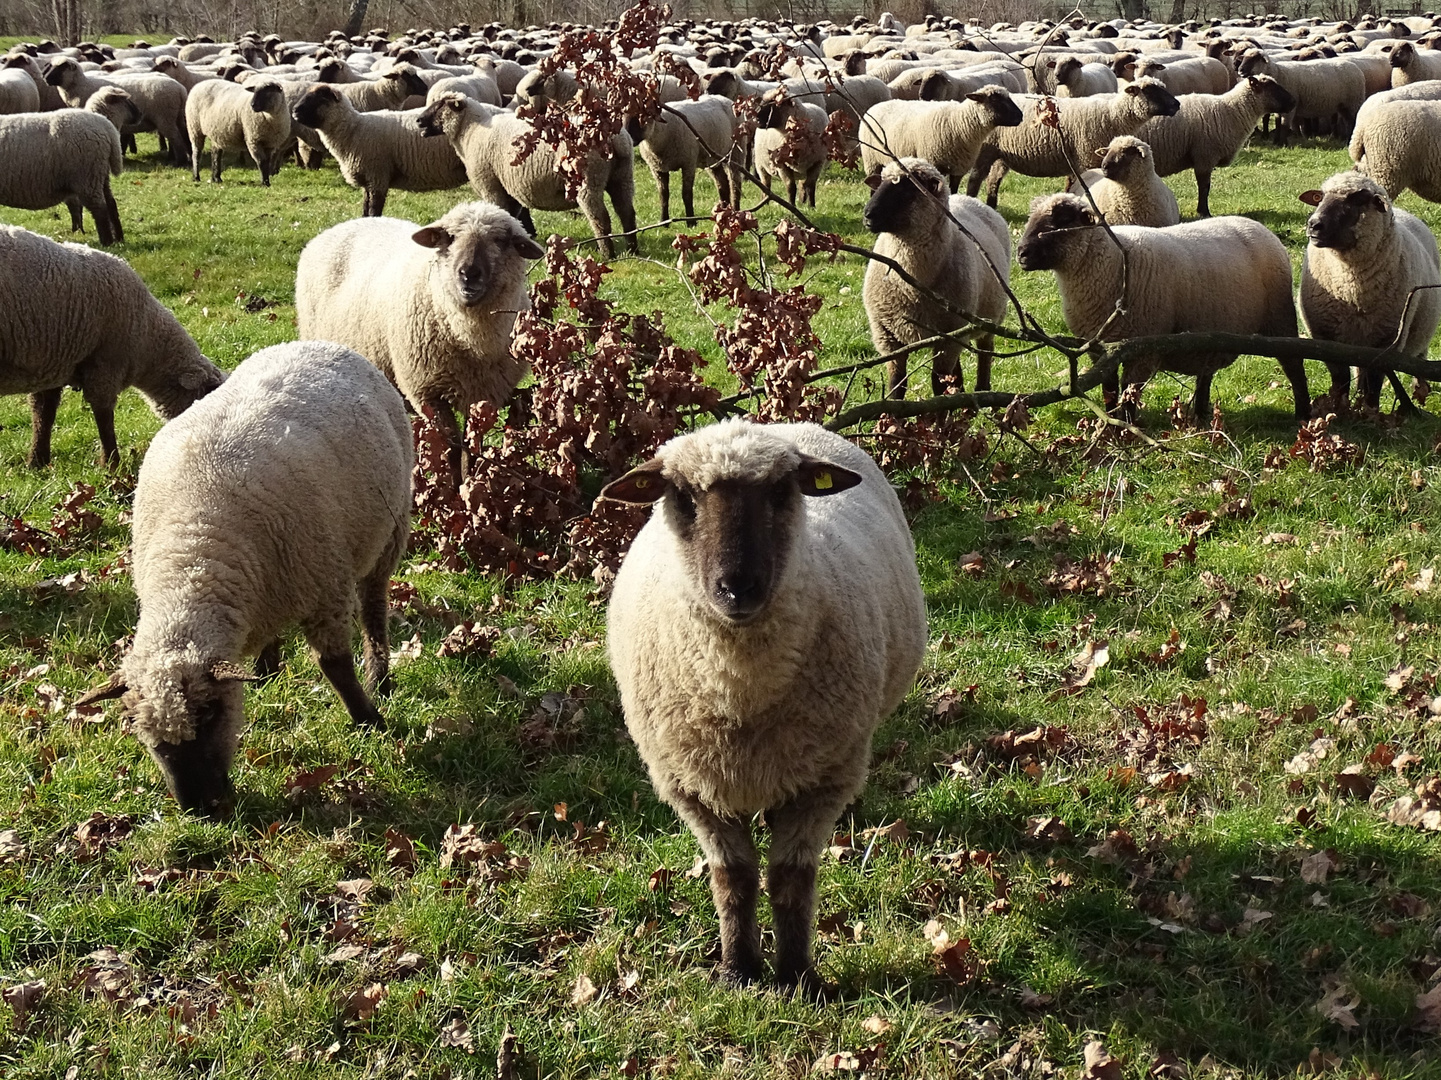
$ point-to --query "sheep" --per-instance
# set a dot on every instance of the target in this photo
(537, 88)
(1327, 92)
(947, 134)
(479, 86)
(115, 105)
(789, 143)
(390, 91)
(1074, 78)
(1410, 65)
(161, 99)
(1194, 75)
(431, 307)
(920, 229)
(378, 151)
(253, 118)
(1208, 131)
(1400, 147)
(1364, 258)
(64, 156)
(185, 75)
(1035, 148)
(765, 620)
(1126, 188)
(1223, 273)
(282, 498)
(49, 98)
(687, 135)
(484, 138)
(17, 92)
(79, 317)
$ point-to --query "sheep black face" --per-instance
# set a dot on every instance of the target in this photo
(934, 87)
(1118, 161)
(432, 118)
(409, 80)
(736, 535)
(1158, 100)
(311, 109)
(1042, 245)
(895, 200)
(1000, 106)
(266, 97)
(59, 71)
(1338, 217)
(469, 258)
(1275, 97)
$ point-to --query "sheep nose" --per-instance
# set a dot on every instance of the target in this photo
(740, 593)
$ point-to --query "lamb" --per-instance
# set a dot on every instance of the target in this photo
(789, 143)
(909, 212)
(947, 134)
(1224, 273)
(765, 620)
(282, 498)
(1126, 188)
(1035, 148)
(686, 135)
(64, 156)
(1208, 131)
(432, 308)
(1410, 64)
(75, 316)
(1400, 147)
(378, 151)
(253, 118)
(161, 99)
(1364, 258)
(484, 137)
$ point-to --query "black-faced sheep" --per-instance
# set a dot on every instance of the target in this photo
(1126, 188)
(948, 134)
(64, 156)
(789, 144)
(253, 118)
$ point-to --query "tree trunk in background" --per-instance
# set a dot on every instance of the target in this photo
(1134, 10)
(67, 20)
(357, 17)
(1178, 12)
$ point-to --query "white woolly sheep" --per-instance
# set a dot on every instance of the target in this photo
(1430, 90)
(766, 619)
(390, 90)
(685, 136)
(1208, 131)
(281, 499)
(78, 317)
(1363, 261)
(789, 143)
(1075, 78)
(1126, 188)
(948, 134)
(919, 227)
(49, 97)
(1035, 148)
(1223, 273)
(1410, 64)
(1400, 147)
(1194, 75)
(253, 118)
(17, 91)
(484, 139)
(479, 86)
(1328, 93)
(378, 151)
(161, 99)
(64, 156)
(433, 308)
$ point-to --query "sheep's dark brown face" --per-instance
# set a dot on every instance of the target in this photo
(934, 87)
(448, 108)
(469, 260)
(1337, 218)
(61, 71)
(736, 536)
(1275, 97)
(267, 97)
(1000, 106)
(313, 106)
(894, 202)
(197, 771)
(1043, 244)
(1117, 163)
(1158, 100)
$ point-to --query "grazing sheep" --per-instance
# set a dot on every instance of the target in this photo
(161, 99)
(1126, 188)
(1035, 148)
(1400, 147)
(115, 105)
(687, 135)
(1410, 64)
(17, 91)
(1363, 261)
(1194, 75)
(484, 139)
(1208, 131)
(917, 226)
(67, 156)
(433, 307)
(281, 499)
(766, 619)
(79, 317)
(378, 151)
(947, 134)
(789, 143)
(1224, 273)
(253, 118)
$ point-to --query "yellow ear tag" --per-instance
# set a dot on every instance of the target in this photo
(823, 481)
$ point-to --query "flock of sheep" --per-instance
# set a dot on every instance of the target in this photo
(770, 614)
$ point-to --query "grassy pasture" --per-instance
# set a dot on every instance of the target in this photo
(1218, 934)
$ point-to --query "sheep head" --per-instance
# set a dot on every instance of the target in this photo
(1352, 214)
(1121, 159)
(907, 197)
(1153, 97)
(731, 496)
(1053, 221)
(317, 103)
(1001, 109)
(444, 115)
(266, 96)
(1274, 97)
(62, 72)
(473, 245)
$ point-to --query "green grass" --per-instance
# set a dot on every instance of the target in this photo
(226, 956)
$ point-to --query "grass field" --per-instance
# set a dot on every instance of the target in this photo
(1176, 865)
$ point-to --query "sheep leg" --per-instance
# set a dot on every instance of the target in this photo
(734, 882)
(791, 184)
(946, 370)
(687, 193)
(722, 184)
(267, 661)
(1340, 382)
(100, 211)
(1295, 372)
(592, 205)
(444, 418)
(1203, 192)
(1201, 402)
(43, 406)
(215, 163)
(620, 186)
(993, 182)
(117, 230)
(199, 141)
(375, 621)
(339, 668)
(377, 201)
(104, 412)
(662, 187)
(979, 171)
(812, 178)
(895, 369)
(798, 833)
(1371, 380)
(985, 353)
(77, 219)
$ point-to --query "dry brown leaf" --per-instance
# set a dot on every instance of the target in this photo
(1428, 1011)
(1338, 1004)
(583, 992)
(400, 851)
(876, 1025)
(12, 848)
(1252, 918)
(1098, 1064)
(22, 997)
(1315, 869)
(361, 1005)
(456, 1035)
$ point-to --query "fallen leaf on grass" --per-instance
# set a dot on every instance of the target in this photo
(400, 851)
(343, 954)
(1119, 847)
(1315, 869)
(309, 780)
(1423, 810)
(1309, 758)
(876, 1025)
(896, 832)
(1098, 1064)
(1424, 580)
(1093, 656)
(22, 997)
(12, 848)
(1049, 829)
(361, 1005)
(1252, 918)
(973, 564)
(1397, 680)
(456, 1036)
(583, 992)
(100, 832)
(1338, 1004)
(507, 1055)
(1428, 1011)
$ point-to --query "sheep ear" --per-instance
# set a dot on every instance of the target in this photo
(113, 688)
(1100, 151)
(432, 236)
(819, 477)
(641, 486)
(225, 671)
(873, 180)
(1311, 198)
(527, 248)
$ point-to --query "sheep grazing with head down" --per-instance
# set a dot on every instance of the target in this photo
(919, 225)
(432, 307)
(1364, 259)
(282, 499)
(765, 620)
